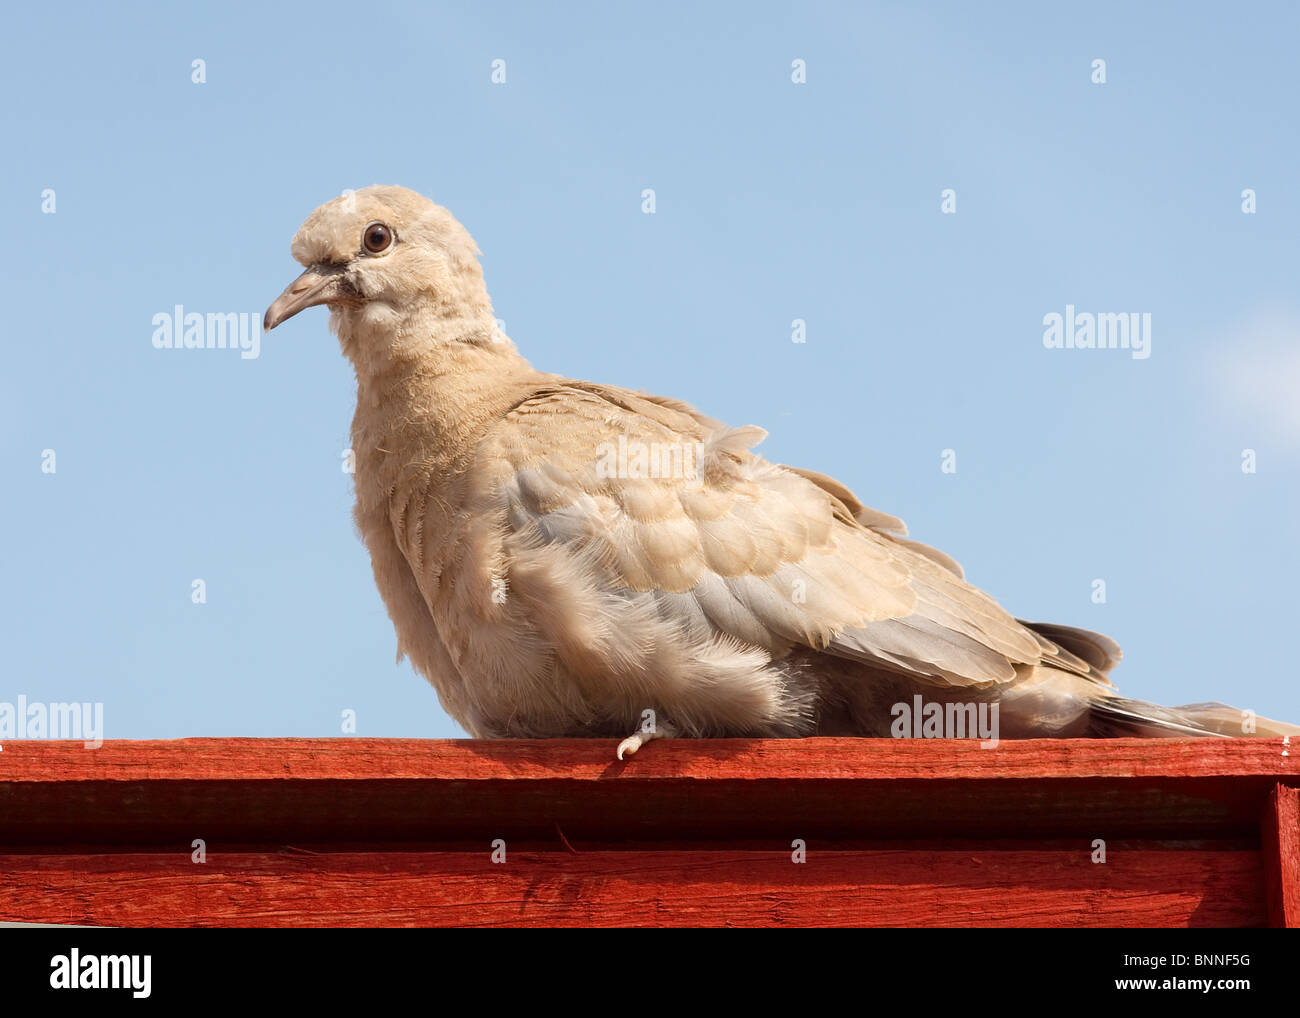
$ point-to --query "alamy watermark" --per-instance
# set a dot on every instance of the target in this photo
(669, 460)
(1083, 330)
(75, 971)
(233, 330)
(921, 720)
(23, 720)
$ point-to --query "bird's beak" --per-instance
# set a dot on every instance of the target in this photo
(318, 285)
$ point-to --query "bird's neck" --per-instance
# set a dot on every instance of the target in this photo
(429, 391)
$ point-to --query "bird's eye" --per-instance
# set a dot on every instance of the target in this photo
(376, 238)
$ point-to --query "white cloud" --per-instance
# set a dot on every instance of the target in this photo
(1257, 371)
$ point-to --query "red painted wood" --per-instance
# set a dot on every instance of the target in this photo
(410, 790)
(906, 832)
(1280, 842)
(994, 888)
(593, 759)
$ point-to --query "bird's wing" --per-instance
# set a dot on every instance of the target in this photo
(648, 496)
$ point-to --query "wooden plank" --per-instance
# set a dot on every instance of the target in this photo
(1140, 888)
(593, 759)
(1280, 843)
(368, 790)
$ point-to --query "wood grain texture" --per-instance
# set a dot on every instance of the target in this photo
(711, 888)
(412, 790)
(690, 832)
(1280, 845)
(593, 759)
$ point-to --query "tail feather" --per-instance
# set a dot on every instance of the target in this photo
(1098, 650)
(1116, 716)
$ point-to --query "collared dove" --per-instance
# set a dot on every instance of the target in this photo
(561, 558)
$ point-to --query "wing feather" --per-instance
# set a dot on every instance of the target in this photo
(742, 550)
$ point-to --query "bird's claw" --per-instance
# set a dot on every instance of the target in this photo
(640, 737)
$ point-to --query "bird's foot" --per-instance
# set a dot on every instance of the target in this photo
(646, 733)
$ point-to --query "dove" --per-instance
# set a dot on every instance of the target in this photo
(566, 559)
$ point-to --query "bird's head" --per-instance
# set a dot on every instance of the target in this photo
(380, 257)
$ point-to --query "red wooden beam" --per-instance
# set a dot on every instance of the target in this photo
(1280, 841)
(303, 832)
(399, 789)
(1022, 887)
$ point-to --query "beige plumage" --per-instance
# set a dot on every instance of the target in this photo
(548, 580)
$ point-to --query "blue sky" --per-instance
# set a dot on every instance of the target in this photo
(774, 201)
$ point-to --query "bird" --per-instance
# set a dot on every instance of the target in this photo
(561, 558)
